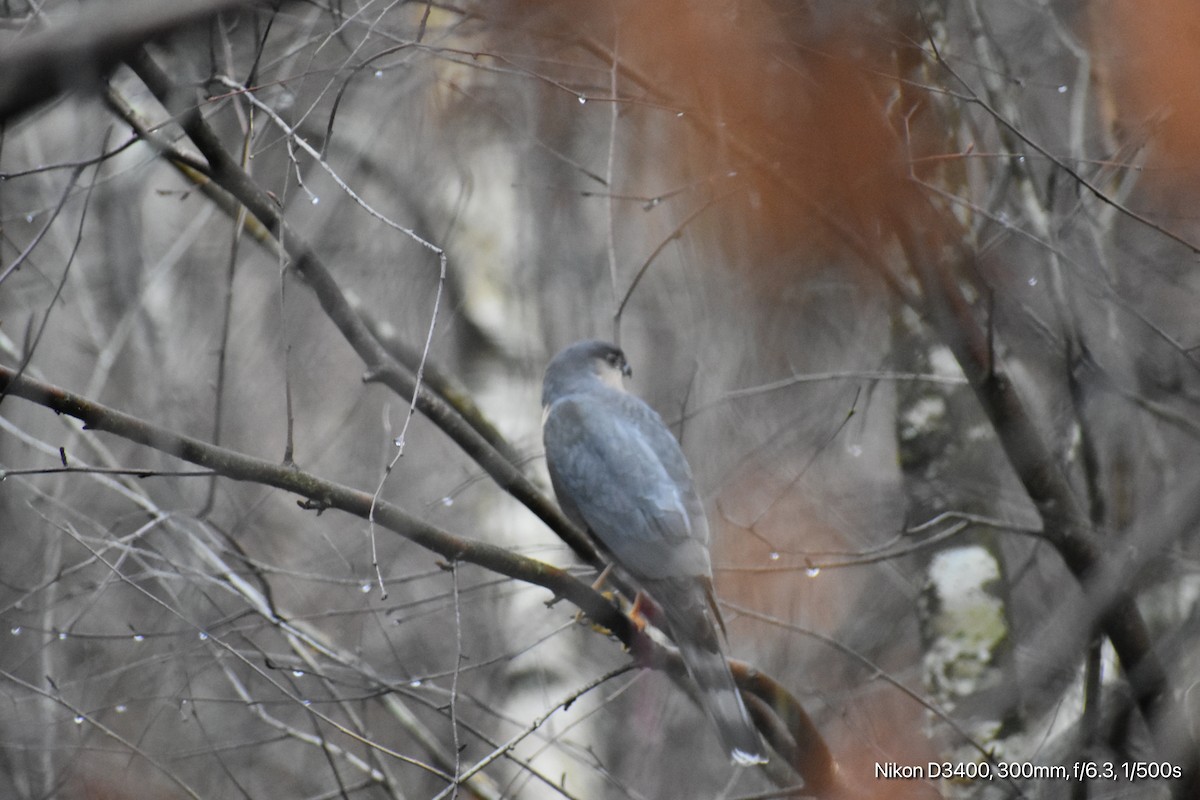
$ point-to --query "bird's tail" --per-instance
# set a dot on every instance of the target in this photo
(693, 627)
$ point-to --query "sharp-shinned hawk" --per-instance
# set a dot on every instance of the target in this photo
(620, 474)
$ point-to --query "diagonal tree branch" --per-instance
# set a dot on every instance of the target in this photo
(791, 733)
(1066, 525)
(321, 494)
(380, 365)
(80, 53)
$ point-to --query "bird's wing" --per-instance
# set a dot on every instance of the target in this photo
(617, 469)
(666, 449)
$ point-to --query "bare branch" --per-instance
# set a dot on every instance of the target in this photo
(811, 757)
(78, 55)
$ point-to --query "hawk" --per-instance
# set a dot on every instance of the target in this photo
(620, 475)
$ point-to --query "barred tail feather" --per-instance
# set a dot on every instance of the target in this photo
(694, 631)
(721, 699)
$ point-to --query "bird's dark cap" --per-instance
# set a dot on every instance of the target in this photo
(588, 351)
(582, 362)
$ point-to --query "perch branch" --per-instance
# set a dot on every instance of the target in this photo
(227, 174)
(803, 747)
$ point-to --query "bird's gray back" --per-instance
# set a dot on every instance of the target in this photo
(618, 470)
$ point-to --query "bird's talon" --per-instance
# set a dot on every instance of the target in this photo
(582, 619)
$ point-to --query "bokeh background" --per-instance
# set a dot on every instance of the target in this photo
(796, 218)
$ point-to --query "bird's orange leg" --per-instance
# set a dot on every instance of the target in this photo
(600, 581)
(637, 612)
(597, 585)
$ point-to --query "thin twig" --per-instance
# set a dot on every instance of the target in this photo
(380, 365)
(816, 764)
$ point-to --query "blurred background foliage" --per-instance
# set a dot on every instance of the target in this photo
(757, 199)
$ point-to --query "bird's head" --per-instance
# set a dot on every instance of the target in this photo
(581, 365)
